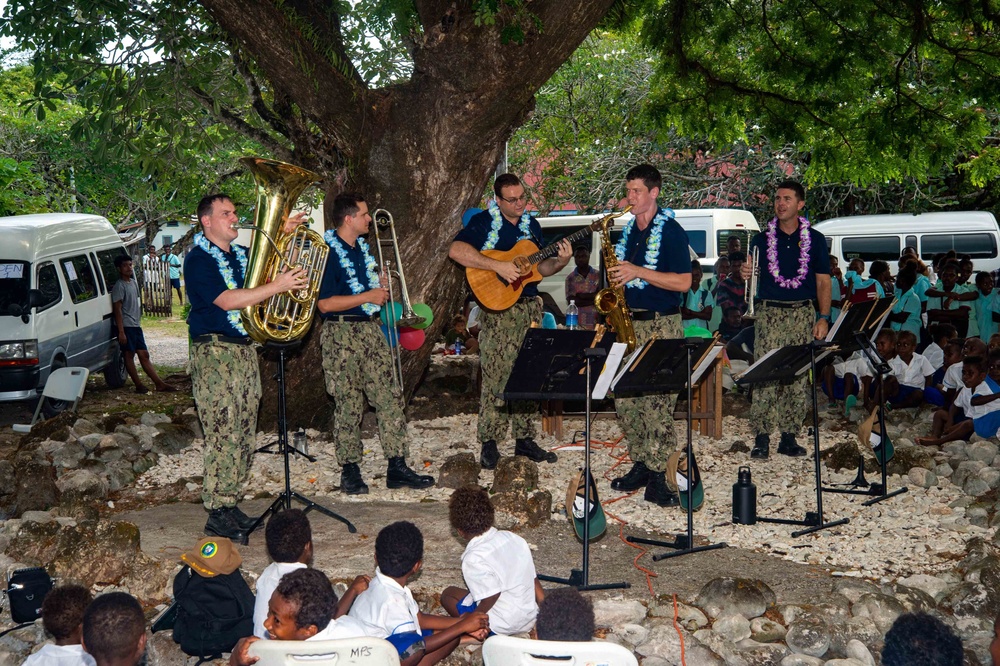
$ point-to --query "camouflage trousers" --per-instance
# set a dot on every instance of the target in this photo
(500, 337)
(357, 364)
(648, 421)
(780, 407)
(226, 383)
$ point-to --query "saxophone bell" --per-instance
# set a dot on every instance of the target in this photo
(610, 301)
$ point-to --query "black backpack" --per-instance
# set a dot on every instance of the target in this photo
(212, 613)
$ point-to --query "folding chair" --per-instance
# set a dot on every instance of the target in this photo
(510, 651)
(63, 384)
(346, 652)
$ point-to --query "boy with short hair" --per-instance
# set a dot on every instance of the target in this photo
(497, 566)
(565, 615)
(62, 617)
(911, 373)
(114, 630)
(976, 408)
(387, 608)
(952, 381)
(940, 334)
(699, 303)
(288, 536)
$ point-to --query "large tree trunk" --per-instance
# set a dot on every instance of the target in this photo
(423, 149)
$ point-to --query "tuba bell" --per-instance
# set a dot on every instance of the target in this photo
(284, 317)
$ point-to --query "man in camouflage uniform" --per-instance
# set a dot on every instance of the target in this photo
(794, 285)
(356, 357)
(224, 371)
(500, 227)
(654, 265)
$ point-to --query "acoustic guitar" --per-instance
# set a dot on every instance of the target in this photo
(495, 293)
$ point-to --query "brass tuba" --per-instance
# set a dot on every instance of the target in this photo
(610, 301)
(284, 317)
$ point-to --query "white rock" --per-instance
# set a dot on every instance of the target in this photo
(632, 634)
(615, 612)
(801, 660)
(152, 418)
(732, 627)
(935, 587)
(857, 651)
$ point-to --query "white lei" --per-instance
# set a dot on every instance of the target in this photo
(227, 273)
(371, 268)
(652, 244)
(524, 226)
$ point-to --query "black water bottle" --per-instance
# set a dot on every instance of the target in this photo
(744, 499)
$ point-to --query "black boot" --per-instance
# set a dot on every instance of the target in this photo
(244, 521)
(489, 456)
(351, 482)
(636, 478)
(529, 449)
(222, 523)
(789, 447)
(399, 475)
(657, 491)
(761, 446)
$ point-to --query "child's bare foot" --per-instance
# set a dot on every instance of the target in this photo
(927, 441)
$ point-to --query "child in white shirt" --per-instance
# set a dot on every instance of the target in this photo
(62, 617)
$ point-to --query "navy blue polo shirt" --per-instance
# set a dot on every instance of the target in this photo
(788, 265)
(335, 278)
(673, 258)
(479, 227)
(204, 283)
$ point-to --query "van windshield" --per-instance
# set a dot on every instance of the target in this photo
(15, 279)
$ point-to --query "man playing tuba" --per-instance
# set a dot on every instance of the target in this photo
(655, 268)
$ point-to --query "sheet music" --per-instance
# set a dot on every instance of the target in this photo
(705, 363)
(626, 364)
(610, 371)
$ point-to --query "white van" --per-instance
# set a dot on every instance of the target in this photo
(56, 274)
(872, 237)
(708, 231)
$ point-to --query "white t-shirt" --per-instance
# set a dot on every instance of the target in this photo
(500, 562)
(934, 354)
(386, 608)
(343, 627)
(60, 655)
(913, 374)
(976, 411)
(962, 400)
(953, 377)
(266, 584)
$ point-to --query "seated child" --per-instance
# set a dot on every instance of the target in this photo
(114, 630)
(565, 615)
(731, 324)
(288, 536)
(975, 409)
(497, 566)
(885, 345)
(387, 608)
(62, 617)
(911, 371)
(952, 381)
(994, 342)
(301, 608)
(940, 334)
(840, 380)
(459, 332)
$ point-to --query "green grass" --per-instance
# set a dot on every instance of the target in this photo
(172, 325)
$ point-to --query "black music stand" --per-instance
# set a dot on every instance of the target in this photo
(667, 366)
(785, 365)
(284, 500)
(855, 329)
(558, 365)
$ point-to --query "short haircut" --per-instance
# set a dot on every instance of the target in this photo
(994, 356)
(565, 615)
(726, 311)
(206, 203)
(647, 173)
(112, 627)
(121, 259)
(977, 346)
(470, 510)
(919, 639)
(505, 180)
(950, 265)
(957, 344)
(887, 333)
(907, 277)
(942, 331)
(695, 264)
(978, 363)
(906, 335)
(287, 534)
(398, 548)
(311, 591)
(877, 268)
(344, 204)
(982, 275)
(737, 256)
(794, 185)
(63, 609)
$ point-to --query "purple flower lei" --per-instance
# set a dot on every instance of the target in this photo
(805, 241)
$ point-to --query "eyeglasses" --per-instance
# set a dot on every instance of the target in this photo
(513, 200)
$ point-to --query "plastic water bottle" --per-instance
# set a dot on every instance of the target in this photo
(458, 348)
(572, 316)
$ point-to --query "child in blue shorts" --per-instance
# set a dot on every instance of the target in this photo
(976, 408)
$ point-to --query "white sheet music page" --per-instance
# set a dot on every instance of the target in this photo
(608, 373)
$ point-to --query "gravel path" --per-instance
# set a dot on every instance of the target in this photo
(166, 349)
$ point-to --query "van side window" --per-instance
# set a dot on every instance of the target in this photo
(79, 278)
(100, 278)
(977, 246)
(106, 260)
(697, 239)
(48, 284)
(870, 248)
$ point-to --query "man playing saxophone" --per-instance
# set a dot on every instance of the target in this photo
(655, 268)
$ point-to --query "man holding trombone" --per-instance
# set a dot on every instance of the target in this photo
(357, 362)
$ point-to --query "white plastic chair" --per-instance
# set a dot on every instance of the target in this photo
(510, 651)
(345, 652)
(66, 384)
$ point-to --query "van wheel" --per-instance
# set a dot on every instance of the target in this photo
(114, 372)
(52, 407)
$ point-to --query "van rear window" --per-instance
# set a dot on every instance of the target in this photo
(14, 283)
(870, 248)
(977, 246)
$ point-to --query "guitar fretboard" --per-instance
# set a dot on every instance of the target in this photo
(552, 249)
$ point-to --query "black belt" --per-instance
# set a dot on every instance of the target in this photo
(650, 315)
(353, 318)
(785, 304)
(212, 337)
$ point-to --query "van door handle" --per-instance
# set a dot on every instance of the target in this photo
(65, 312)
(76, 316)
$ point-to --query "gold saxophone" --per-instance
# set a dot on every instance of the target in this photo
(610, 301)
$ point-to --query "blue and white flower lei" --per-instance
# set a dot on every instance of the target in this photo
(524, 226)
(652, 244)
(227, 273)
(371, 268)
